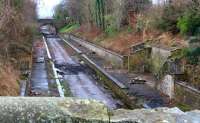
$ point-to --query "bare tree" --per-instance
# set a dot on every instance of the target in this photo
(14, 22)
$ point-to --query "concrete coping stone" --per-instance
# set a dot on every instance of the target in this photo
(98, 67)
(105, 73)
(74, 110)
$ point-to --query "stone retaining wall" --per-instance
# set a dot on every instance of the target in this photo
(187, 96)
(116, 59)
(138, 61)
(113, 84)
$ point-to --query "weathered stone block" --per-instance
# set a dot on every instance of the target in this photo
(71, 110)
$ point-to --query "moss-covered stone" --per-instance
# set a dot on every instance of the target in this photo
(71, 110)
(187, 99)
(32, 110)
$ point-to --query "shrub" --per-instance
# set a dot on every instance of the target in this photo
(167, 22)
(60, 15)
(169, 18)
(69, 28)
(111, 26)
(140, 25)
(110, 20)
(165, 18)
(189, 24)
(130, 29)
(193, 55)
(18, 4)
(111, 30)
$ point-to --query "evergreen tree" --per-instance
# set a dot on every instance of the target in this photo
(100, 13)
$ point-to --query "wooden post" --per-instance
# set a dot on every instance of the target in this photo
(128, 63)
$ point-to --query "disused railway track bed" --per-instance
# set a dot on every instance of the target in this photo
(141, 95)
(81, 84)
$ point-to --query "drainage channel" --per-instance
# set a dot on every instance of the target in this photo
(44, 80)
(39, 79)
(79, 77)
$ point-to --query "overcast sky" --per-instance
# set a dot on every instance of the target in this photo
(45, 7)
(158, 1)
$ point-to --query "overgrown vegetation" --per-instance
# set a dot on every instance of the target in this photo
(110, 19)
(184, 107)
(16, 34)
(176, 16)
(69, 28)
(189, 22)
(193, 55)
(168, 25)
(61, 15)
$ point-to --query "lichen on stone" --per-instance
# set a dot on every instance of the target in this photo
(72, 110)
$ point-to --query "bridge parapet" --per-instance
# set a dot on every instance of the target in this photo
(48, 21)
(71, 110)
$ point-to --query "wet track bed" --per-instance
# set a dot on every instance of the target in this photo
(39, 77)
(82, 82)
(146, 95)
(42, 82)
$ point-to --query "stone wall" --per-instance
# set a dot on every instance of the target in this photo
(138, 62)
(191, 75)
(158, 59)
(186, 96)
(148, 58)
(119, 89)
(71, 110)
(116, 59)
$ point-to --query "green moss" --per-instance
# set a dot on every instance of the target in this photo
(111, 31)
(69, 28)
(23, 77)
(66, 88)
(136, 61)
(184, 107)
(178, 54)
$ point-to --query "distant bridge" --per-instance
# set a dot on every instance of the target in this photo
(46, 21)
(49, 22)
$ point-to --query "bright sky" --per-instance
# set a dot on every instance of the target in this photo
(45, 8)
(158, 1)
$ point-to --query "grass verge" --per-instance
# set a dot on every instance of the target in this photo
(66, 88)
(69, 28)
